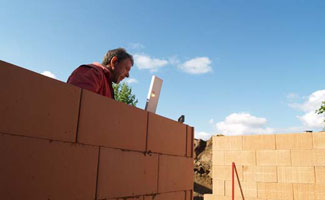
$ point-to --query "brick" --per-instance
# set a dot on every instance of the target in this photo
(319, 191)
(259, 174)
(304, 191)
(132, 198)
(294, 141)
(225, 172)
(320, 174)
(278, 191)
(259, 142)
(189, 139)
(109, 123)
(126, 173)
(319, 140)
(296, 175)
(172, 195)
(218, 187)
(227, 143)
(188, 194)
(218, 158)
(273, 158)
(175, 173)
(315, 157)
(215, 197)
(240, 157)
(43, 169)
(37, 106)
(166, 136)
(249, 189)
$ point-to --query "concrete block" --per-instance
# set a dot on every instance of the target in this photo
(319, 191)
(319, 140)
(42, 169)
(259, 142)
(315, 157)
(189, 139)
(259, 174)
(294, 141)
(273, 158)
(227, 143)
(240, 157)
(166, 136)
(225, 172)
(320, 175)
(218, 187)
(172, 195)
(249, 189)
(126, 173)
(109, 123)
(218, 158)
(175, 173)
(296, 175)
(37, 106)
(189, 195)
(304, 191)
(215, 197)
(278, 191)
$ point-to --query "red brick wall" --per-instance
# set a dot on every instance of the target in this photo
(58, 141)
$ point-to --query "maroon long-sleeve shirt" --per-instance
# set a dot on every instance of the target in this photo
(93, 77)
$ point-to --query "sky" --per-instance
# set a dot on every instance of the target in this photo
(232, 67)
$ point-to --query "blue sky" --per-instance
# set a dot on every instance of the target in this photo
(232, 67)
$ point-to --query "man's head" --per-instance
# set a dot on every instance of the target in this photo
(119, 63)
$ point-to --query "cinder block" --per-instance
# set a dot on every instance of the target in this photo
(320, 175)
(166, 136)
(294, 141)
(126, 173)
(259, 174)
(218, 158)
(227, 143)
(215, 197)
(319, 140)
(37, 106)
(315, 157)
(278, 191)
(109, 123)
(172, 195)
(296, 175)
(225, 172)
(42, 169)
(218, 187)
(175, 173)
(273, 158)
(304, 191)
(249, 189)
(259, 142)
(240, 157)
(319, 191)
(189, 139)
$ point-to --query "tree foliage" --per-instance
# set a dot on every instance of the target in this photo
(123, 93)
(321, 110)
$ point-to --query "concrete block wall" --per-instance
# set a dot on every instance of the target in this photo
(58, 141)
(270, 167)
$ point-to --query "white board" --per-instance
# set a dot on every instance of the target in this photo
(153, 94)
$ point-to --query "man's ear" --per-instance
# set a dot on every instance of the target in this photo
(113, 62)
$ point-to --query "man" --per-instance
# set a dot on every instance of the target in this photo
(98, 78)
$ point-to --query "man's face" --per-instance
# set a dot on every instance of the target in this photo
(121, 70)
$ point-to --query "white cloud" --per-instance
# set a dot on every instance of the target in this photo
(146, 62)
(199, 65)
(203, 135)
(131, 80)
(49, 74)
(135, 46)
(211, 121)
(292, 96)
(243, 123)
(310, 119)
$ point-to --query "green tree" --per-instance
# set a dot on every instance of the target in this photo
(123, 93)
(321, 110)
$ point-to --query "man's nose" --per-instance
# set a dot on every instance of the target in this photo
(127, 75)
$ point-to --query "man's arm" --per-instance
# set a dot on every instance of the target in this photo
(87, 78)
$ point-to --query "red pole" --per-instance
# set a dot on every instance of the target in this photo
(233, 181)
